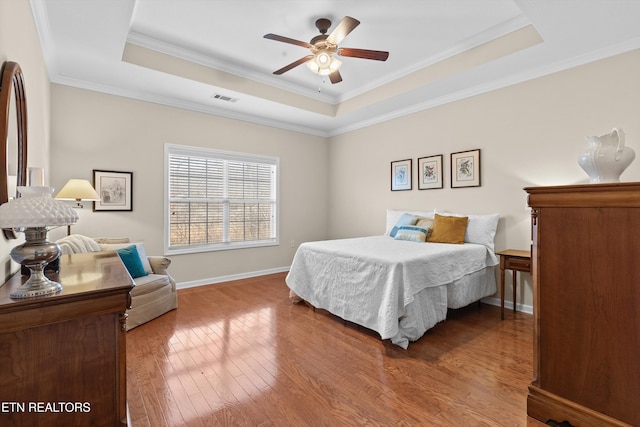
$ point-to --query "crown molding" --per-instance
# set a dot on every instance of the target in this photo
(145, 41)
(558, 66)
(479, 39)
(576, 61)
(185, 105)
(41, 18)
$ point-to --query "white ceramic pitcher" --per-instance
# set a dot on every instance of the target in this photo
(606, 157)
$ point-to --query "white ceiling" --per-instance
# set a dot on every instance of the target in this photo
(183, 52)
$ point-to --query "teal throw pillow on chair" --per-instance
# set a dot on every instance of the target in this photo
(131, 260)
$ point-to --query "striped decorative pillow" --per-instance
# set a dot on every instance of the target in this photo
(405, 219)
(412, 233)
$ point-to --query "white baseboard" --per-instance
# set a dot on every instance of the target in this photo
(508, 305)
(229, 278)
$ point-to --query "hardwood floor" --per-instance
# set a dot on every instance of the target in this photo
(240, 354)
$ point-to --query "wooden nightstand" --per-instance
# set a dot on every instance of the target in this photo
(514, 260)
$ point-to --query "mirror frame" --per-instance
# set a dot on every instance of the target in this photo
(12, 79)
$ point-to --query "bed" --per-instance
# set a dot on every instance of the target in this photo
(396, 287)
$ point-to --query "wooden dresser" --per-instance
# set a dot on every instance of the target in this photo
(63, 357)
(586, 277)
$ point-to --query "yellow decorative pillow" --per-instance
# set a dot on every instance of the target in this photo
(448, 229)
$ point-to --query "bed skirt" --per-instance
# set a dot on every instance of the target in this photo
(471, 288)
(430, 305)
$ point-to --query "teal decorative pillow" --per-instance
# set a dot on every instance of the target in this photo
(131, 260)
(412, 233)
(139, 247)
(405, 219)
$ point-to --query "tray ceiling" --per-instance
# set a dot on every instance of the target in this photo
(210, 56)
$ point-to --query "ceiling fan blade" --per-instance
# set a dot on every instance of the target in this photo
(293, 65)
(287, 40)
(378, 55)
(345, 26)
(335, 77)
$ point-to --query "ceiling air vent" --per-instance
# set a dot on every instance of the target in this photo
(224, 98)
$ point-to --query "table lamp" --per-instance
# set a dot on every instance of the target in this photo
(34, 213)
(78, 190)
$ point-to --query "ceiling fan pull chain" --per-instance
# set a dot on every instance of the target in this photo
(323, 81)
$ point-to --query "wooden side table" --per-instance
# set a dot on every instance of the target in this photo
(514, 260)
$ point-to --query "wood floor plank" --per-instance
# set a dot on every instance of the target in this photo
(241, 354)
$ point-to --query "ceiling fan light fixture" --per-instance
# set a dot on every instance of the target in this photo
(324, 63)
(323, 48)
(323, 59)
(335, 64)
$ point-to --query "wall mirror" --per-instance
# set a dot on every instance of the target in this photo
(13, 132)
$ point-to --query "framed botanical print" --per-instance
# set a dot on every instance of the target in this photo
(465, 169)
(401, 175)
(430, 172)
(114, 189)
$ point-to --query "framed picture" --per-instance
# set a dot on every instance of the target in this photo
(114, 189)
(401, 175)
(430, 172)
(465, 169)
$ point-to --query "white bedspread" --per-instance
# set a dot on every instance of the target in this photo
(371, 280)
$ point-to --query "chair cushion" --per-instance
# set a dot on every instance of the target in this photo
(149, 283)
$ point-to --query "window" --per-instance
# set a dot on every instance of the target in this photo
(216, 200)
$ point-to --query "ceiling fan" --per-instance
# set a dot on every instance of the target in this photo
(323, 47)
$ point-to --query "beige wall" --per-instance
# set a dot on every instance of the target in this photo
(91, 130)
(530, 134)
(19, 43)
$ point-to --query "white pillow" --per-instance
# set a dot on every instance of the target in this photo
(139, 247)
(393, 216)
(481, 229)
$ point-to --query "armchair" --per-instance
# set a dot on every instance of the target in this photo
(153, 294)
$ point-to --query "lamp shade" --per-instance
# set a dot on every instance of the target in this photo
(78, 189)
(34, 213)
(36, 208)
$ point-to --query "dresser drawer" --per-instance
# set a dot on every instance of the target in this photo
(518, 264)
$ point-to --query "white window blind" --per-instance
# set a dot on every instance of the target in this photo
(219, 200)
